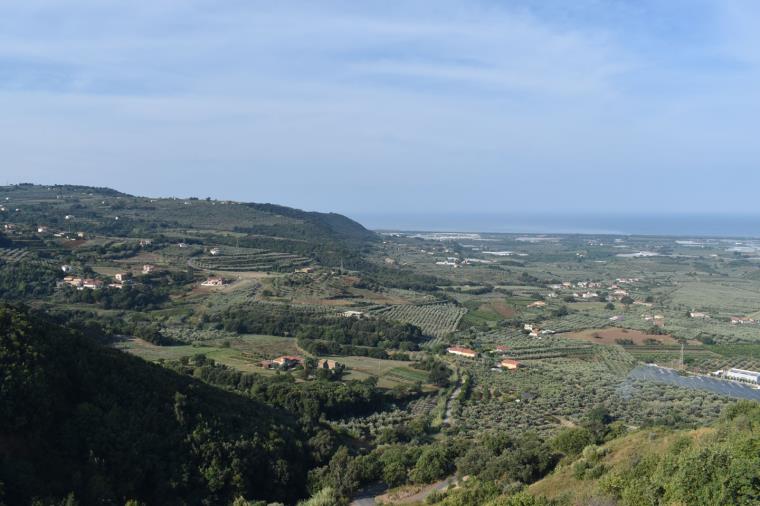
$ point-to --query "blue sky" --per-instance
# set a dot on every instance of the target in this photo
(438, 106)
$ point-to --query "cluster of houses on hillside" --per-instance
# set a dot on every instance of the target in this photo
(43, 230)
(287, 362)
(120, 280)
(590, 290)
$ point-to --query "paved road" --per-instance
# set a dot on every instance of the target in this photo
(447, 419)
(366, 496)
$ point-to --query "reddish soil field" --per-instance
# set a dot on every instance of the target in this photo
(612, 334)
(501, 308)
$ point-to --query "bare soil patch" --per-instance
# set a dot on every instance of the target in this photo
(615, 335)
(501, 308)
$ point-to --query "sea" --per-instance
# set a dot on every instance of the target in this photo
(686, 225)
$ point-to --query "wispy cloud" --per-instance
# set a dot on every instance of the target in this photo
(441, 105)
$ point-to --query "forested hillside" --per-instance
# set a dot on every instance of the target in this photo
(78, 418)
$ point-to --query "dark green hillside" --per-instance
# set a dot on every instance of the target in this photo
(327, 238)
(79, 418)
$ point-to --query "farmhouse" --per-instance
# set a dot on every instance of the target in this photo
(148, 268)
(352, 314)
(42, 230)
(697, 314)
(213, 281)
(538, 303)
(73, 281)
(287, 361)
(508, 363)
(743, 375)
(502, 349)
(305, 270)
(617, 318)
(145, 242)
(92, 284)
(215, 251)
(120, 276)
(66, 268)
(326, 364)
(740, 320)
(462, 352)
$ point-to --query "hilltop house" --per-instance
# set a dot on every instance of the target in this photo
(510, 364)
(462, 352)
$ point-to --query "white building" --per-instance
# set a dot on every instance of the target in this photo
(462, 352)
(743, 375)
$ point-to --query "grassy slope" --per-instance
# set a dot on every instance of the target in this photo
(622, 451)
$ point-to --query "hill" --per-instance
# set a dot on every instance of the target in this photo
(325, 237)
(79, 418)
(719, 464)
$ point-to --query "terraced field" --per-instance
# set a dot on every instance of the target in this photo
(13, 255)
(249, 260)
(436, 320)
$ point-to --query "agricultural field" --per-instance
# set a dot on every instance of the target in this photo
(13, 255)
(389, 373)
(242, 353)
(435, 319)
(240, 259)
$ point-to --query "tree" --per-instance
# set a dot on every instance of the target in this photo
(433, 464)
(572, 441)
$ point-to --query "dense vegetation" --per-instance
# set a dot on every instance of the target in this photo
(26, 280)
(106, 427)
(260, 319)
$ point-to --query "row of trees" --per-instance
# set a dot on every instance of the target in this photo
(265, 319)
